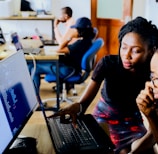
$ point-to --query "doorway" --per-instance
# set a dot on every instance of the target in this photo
(109, 27)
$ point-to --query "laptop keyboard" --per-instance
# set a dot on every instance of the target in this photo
(68, 136)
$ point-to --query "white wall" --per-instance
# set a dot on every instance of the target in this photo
(151, 12)
(106, 9)
(144, 8)
(27, 28)
(80, 7)
(139, 8)
(147, 9)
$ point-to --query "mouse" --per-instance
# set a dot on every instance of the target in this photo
(24, 145)
(2, 42)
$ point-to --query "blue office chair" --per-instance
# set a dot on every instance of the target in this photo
(52, 78)
(87, 64)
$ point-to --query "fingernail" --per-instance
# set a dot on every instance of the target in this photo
(74, 125)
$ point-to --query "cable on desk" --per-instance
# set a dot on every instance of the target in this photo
(34, 65)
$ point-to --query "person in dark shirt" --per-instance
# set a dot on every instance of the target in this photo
(124, 76)
(147, 100)
(73, 52)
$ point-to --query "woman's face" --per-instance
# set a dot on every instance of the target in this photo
(133, 51)
(154, 73)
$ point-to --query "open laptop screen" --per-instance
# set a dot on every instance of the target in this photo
(17, 98)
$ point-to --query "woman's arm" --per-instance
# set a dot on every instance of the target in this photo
(69, 39)
(57, 33)
(153, 121)
(142, 144)
(61, 37)
(89, 94)
(83, 103)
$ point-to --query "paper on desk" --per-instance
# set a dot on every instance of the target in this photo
(7, 50)
(31, 43)
(51, 50)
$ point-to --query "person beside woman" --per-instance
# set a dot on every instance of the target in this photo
(147, 100)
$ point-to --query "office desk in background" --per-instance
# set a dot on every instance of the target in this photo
(38, 18)
(47, 54)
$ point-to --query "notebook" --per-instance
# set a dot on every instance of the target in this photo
(17, 98)
(45, 42)
(18, 45)
(88, 137)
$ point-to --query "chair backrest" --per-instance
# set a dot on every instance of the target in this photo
(88, 58)
(86, 64)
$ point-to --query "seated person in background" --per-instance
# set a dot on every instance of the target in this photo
(147, 100)
(124, 76)
(73, 52)
(67, 19)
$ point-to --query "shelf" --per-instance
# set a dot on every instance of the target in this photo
(40, 17)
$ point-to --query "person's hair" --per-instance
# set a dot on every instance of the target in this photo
(86, 32)
(147, 31)
(68, 11)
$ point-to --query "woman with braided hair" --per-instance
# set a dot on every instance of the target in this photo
(124, 77)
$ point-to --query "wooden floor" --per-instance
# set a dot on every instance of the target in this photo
(47, 92)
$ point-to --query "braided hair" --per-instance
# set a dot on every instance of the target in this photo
(147, 31)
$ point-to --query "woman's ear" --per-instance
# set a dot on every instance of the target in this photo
(153, 50)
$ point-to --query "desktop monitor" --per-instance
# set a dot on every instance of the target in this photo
(26, 6)
(17, 98)
(36, 5)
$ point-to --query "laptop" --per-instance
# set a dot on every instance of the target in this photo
(88, 137)
(17, 98)
(18, 45)
(45, 42)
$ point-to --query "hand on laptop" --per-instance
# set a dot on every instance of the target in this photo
(68, 114)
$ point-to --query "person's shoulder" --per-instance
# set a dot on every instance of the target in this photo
(111, 58)
(109, 61)
(71, 21)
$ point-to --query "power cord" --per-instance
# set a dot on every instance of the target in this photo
(34, 65)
